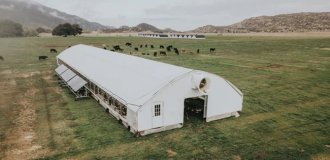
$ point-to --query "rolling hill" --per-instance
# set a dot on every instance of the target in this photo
(32, 15)
(142, 27)
(296, 22)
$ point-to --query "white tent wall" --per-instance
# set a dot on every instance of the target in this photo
(132, 119)
(172, 98)
(222, 100)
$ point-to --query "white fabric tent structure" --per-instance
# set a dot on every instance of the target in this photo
(148, 96)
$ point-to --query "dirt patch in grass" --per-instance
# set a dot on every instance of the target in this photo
(20, 138)
(326, 49)
(28, 74)
(171, 153)
(7, 71)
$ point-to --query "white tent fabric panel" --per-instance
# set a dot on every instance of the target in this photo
(76, 83)
(67, 75)
(60, 69)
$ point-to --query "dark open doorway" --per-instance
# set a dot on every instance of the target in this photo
(195, 109)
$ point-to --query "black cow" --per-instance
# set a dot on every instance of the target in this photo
(104, 47)
(155, 54)
(168, 48)
(128, 44)
(69, 46)
(52, 50)
(151, 46)
(43, 58)
(116, 47)
(1, 58)
(212, 49)
(141, 46)
(161, 46)
(176, 51)
(197, 50)
(146, 45)
(136, 49)
(162, 53)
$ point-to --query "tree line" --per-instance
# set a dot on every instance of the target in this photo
(9, 28)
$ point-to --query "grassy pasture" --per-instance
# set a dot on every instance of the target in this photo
(286, 114)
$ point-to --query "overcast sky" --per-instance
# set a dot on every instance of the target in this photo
(181, 14)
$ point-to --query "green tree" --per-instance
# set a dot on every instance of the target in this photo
(67, 29)
(77, 29)
(10, 29)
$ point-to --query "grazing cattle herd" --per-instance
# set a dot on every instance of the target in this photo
(164, 50)
(168, 48)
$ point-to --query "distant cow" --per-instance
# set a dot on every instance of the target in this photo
(155, 54)
(212, 49)
(168, 48)
(69, 46)
(162, 53)
(52, 50)
(112, 50)
(146, 45)
(143, 54)
(141, 45)
(128, 44)
(104, 47)
(1, 58)
(151, 46)
(197, 50)
(43, 58)
(116, 47)
(136, 49)
(176, 51)
(161, 46)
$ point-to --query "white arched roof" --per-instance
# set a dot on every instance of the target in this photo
(132, 79)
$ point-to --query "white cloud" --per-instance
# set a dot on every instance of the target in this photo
(181, 14)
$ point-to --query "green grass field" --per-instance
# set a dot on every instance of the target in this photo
(286, 111)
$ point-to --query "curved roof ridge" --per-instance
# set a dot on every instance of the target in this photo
(127, 77)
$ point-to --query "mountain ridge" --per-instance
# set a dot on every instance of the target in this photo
(294, 22)
(142, 27)
(32, 14)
